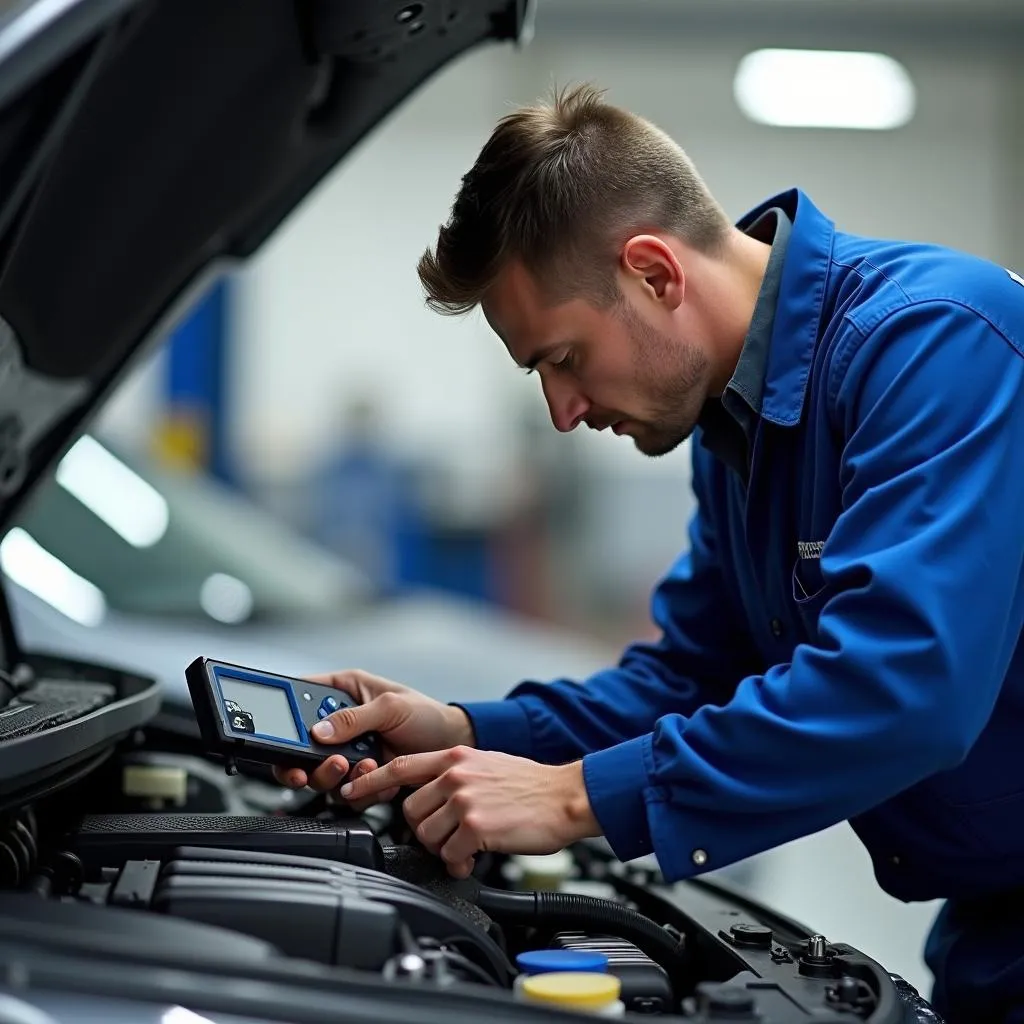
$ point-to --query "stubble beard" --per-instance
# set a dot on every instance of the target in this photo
(673, 380)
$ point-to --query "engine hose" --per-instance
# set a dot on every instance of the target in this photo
(573, 910)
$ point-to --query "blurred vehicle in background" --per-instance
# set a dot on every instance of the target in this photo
(144, 566)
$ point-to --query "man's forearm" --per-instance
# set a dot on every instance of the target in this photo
(565, 720)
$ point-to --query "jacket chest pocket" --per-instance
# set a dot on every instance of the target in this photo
(809, 588)
(820, 505)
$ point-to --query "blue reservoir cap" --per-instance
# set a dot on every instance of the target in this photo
(548, 961)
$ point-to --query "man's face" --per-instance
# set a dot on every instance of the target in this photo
(624, 368)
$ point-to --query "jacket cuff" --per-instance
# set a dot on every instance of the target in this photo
(500, 725)
(616, 779)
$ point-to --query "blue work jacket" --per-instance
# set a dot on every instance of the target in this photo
(840, 641)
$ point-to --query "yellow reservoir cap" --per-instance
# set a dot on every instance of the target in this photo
(573, 988)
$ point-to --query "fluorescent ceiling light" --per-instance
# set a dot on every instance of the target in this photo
(128, 504)
(33, 567)
(226, 598)
(824, 89)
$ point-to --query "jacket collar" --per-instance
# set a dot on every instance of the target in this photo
(799, 309)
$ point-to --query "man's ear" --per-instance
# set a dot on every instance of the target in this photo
(650, 262)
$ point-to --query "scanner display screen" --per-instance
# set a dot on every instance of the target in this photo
(257, 708)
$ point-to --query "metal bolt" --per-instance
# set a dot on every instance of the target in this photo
(700, 858)
(817, 947)
(412, 965)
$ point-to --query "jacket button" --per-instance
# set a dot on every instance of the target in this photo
(700, 857)
(776, 626)
(895, 860)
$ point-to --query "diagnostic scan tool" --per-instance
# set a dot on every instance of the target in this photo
(245, 714)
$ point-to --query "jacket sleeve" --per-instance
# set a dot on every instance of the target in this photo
(701, 655)
(921, 611)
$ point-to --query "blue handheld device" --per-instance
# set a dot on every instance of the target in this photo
(245, 714)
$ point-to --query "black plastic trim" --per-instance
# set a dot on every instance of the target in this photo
(61, 777)
(701, 911)
(29, 760)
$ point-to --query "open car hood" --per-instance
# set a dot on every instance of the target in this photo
(146, 144)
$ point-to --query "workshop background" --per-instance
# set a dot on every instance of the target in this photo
(314, 391)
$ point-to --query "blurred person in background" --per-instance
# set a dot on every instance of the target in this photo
(841, 640)
(363, 496)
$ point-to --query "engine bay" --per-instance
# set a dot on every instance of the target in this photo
(242, 891)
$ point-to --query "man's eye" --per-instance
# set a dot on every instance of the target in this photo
(564, 363)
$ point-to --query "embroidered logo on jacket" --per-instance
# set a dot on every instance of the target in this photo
(810, 548)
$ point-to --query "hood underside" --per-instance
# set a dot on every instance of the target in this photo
(143, 143)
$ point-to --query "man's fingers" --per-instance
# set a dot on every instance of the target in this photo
(463, 869)
(381, 798)
(361, 685)
(437, 828)
(404, 770)
(364, 768)
(459, 851)
(293, 778)
(330, 774)
(349, 681)
(421, 804)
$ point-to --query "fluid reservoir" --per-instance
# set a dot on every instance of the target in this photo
(547, 871)
(583, 991)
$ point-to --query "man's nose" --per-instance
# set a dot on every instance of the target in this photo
(566, 405)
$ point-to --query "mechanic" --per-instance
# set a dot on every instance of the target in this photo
(840, 641)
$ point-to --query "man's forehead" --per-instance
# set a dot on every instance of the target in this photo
(513, 309)
(525, 317)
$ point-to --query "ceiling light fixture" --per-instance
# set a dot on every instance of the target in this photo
(824, 89)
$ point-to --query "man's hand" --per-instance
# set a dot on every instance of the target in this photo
(474, 800)
(407, 721)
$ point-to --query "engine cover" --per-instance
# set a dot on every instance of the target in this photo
(315, 909)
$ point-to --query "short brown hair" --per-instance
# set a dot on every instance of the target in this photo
(564, 184)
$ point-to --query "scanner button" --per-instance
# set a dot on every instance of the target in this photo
(327, 705)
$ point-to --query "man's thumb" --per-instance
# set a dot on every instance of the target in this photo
(346, 724)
